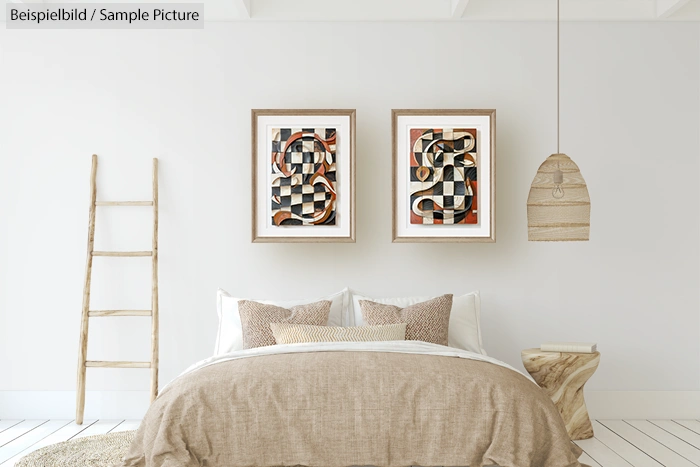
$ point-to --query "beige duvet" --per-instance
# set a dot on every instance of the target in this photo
(343, 408)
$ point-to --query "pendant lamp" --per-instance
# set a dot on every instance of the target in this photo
(558, 206)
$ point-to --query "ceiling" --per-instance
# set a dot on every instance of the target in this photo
(438, 10)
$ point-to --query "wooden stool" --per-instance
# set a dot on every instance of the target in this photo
(562, 375)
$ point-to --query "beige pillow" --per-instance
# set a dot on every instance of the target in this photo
(286, 333)
(256, 318)
(426, 321)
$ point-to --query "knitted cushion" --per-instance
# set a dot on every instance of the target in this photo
(426, 321)
(286, 333)
(256, 318)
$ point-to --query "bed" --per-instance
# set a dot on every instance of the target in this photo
(338, 404)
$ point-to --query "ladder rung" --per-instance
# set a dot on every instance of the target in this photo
(95, 364)
(123, 203)
(96, 313)
(122, 253)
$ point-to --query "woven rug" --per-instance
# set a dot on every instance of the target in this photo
(90, 451)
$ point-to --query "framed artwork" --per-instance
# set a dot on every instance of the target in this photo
(444, 175)
(303, 175)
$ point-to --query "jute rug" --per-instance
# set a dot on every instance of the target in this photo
(90, 451)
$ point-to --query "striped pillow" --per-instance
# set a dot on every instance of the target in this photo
(286, 333)
(427, 321)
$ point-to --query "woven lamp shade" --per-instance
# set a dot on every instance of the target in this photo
(567, 219)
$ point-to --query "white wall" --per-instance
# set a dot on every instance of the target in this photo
(630, 119)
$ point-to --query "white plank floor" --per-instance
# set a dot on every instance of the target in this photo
(617, 443)
(643, 443)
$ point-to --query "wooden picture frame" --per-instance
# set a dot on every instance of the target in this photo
(434, 203)
(303, 182)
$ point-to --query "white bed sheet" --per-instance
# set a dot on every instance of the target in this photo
(409, 347)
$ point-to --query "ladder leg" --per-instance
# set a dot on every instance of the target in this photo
(154, 288)
(82, 351)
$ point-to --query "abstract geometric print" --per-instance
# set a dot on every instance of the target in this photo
(303, 187)
(443, 176)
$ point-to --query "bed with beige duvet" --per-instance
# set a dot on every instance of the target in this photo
(340, 404)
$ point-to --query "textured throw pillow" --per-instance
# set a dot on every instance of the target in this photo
(465, 317)
(427, 321)
(229, 336)
(286, 333)
(256, 318)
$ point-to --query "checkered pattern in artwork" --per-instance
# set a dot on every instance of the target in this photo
(303, 190)
(443, 176)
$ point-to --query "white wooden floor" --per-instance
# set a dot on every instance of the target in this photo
(617, 443)
(643, 443)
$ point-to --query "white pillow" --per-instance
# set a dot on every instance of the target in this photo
(229, 336)
(465, 328)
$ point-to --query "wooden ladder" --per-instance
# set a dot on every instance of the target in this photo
(83, 362)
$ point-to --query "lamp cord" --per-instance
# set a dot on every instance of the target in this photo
(558, 67)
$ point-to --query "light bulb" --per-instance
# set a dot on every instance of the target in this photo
(558, 179)
(557, 192)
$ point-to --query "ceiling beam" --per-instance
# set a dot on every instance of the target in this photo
(666, 8)
(458, 7)
(244, 8)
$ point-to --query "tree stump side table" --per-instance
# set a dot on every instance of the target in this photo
(562, 375)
